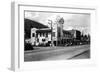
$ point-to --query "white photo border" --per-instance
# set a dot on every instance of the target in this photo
(18, 36)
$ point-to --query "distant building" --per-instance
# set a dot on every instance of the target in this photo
(43, 36)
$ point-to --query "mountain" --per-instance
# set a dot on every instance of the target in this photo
(28, 24)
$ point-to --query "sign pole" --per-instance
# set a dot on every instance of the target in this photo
(50, 22)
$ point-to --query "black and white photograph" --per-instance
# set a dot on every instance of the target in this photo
(50, 36)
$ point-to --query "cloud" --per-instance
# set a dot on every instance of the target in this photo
(79, 21)
(71, 21)
(31, 15)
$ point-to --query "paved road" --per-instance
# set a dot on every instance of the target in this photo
(57, 53)
(84, 55)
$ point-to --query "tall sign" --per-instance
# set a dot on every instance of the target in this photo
(60, 22)
(56, 29)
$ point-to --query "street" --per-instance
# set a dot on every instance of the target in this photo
(58, 53)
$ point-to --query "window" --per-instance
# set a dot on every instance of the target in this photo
(43, 34)
(40, 34)
(33, 34)
(37, 39)
(46, 34)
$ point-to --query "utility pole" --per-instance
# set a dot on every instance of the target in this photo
(51, 22)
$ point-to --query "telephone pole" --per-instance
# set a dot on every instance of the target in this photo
(51, 22)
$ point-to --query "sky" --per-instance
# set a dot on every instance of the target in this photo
(71, 20)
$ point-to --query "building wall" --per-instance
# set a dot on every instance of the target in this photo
(39, 38)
